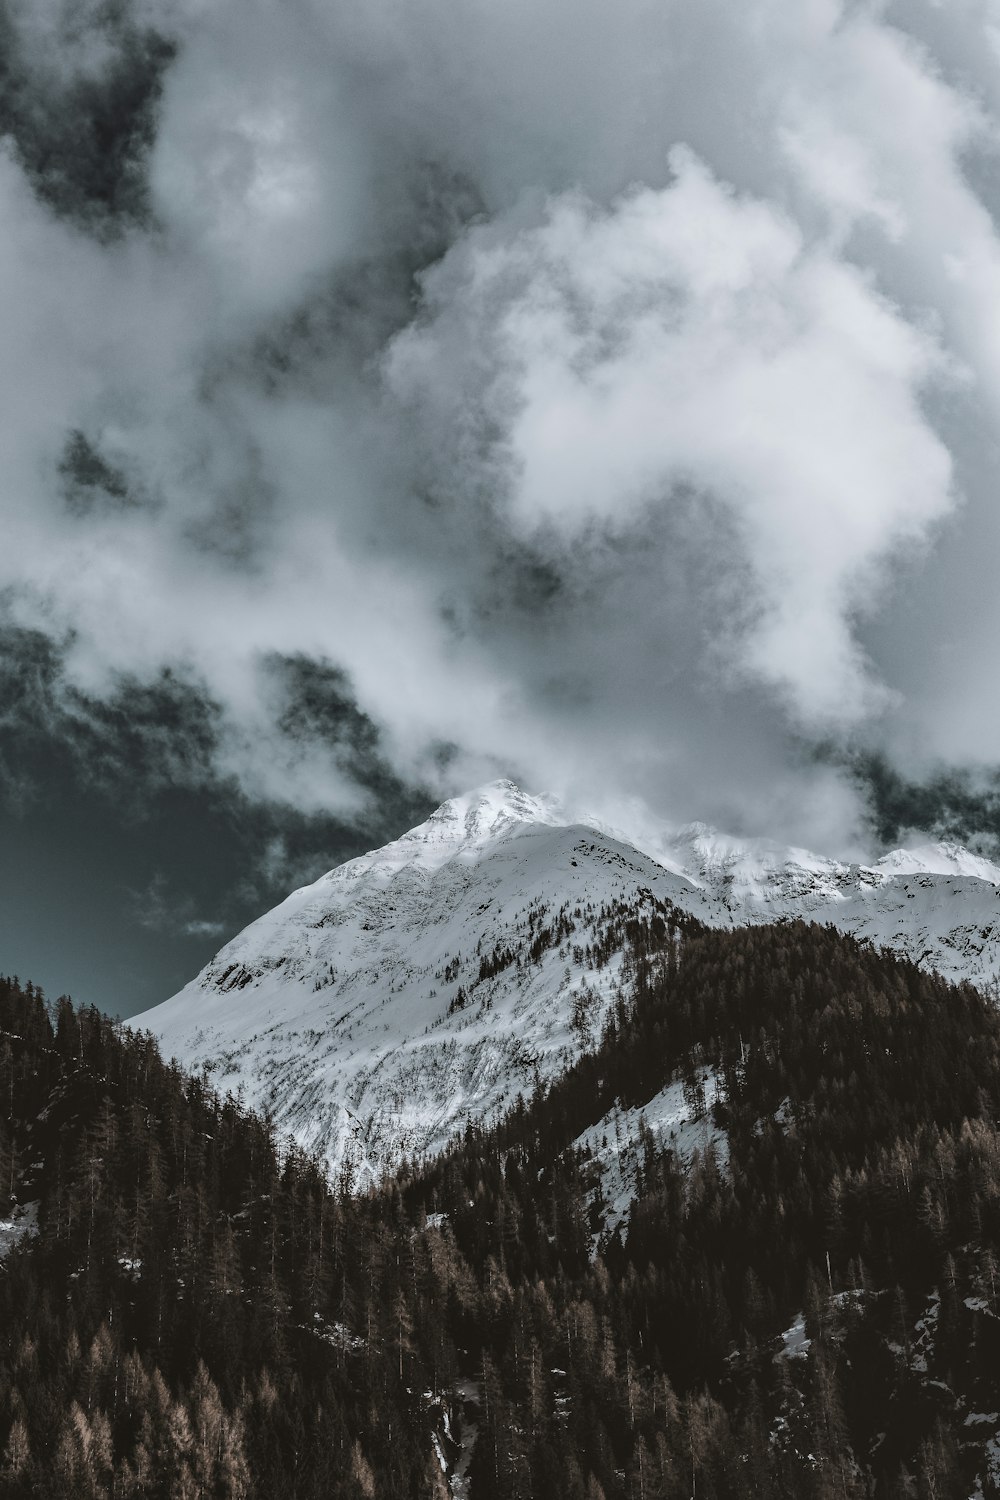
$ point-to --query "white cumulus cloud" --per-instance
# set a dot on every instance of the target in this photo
(590, 368)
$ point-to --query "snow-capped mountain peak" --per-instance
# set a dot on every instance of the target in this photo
(461, 826)
(373, 1011)
(939, 859)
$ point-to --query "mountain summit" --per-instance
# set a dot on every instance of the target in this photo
(436, 979)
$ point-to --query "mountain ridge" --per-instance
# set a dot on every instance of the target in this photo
(433, 980)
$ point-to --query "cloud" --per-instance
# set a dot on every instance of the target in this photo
(160, 909)
(578, 374)
(79, 89)
(604, 395)
(142, 739)
(955, 804)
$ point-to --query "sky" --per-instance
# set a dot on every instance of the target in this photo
(399, 396)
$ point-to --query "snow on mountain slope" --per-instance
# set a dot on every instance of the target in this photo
(675, 1118)
(939, 859)
(437, 978)
(938, 904)
(374, 1011)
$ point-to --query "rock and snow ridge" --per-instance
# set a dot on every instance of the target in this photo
(435, 979)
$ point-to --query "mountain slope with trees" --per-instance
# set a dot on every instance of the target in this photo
(811, 1313)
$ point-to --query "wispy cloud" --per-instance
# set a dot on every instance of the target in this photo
(159, 908)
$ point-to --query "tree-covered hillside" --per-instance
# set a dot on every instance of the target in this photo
(810, 1311)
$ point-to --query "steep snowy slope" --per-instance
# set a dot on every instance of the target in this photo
(437, 978)
(373, 1011)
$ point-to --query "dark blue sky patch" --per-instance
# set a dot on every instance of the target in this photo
(128, 859)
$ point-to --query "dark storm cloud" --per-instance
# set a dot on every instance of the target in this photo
(955, 804)
(88, 481)
(316, 706)
(78, 99)
(605, 394)
(147, 736)
(130, 744)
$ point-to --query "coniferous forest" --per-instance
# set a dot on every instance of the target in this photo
(811, 1312)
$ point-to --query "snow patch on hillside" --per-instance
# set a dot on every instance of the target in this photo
(678, 1118)
(20, 1224)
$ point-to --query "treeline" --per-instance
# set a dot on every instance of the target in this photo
(859, 1098)
(181, 1325)
(202, 1314)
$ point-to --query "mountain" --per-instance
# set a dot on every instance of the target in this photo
(801, 1300)
(373, 1012)
(937, 904)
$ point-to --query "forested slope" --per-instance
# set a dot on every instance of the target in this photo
(812, 1313)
